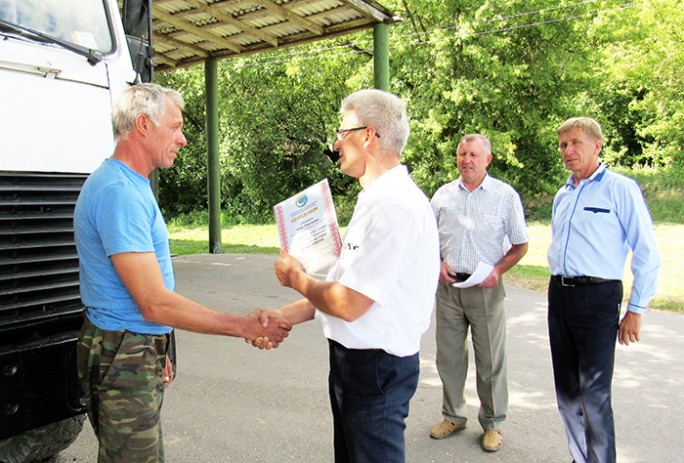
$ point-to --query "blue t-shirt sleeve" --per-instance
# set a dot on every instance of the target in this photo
(123, 221)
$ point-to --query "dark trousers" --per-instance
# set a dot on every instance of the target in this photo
(583, 323)
(370, 392)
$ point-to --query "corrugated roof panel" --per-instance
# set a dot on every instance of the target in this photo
(311, 8)
(171, 6)
(229, 28)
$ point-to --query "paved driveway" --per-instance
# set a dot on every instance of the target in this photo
(234, 403)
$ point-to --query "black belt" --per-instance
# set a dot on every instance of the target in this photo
(459, 276)
(580, 281)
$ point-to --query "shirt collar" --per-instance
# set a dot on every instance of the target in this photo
(597, 176)
(391, 176)
(126, 169)
(485, 185)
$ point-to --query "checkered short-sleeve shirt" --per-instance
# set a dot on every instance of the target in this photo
(478, 226)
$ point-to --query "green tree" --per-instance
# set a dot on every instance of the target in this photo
(509, 69)
(183, 188)
(506, 69)
(642, 87)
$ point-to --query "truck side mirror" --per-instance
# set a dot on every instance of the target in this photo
(137, 22)
(142, 57)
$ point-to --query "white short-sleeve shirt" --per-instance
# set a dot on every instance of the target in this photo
(390, 253)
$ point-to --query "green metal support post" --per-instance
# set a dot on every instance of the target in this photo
(213, 165)
(381, 57)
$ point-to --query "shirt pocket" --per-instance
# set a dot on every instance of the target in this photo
(491, 222)
(596, 217)
(596, 210)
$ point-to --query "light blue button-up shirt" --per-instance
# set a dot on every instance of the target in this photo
(594, 226)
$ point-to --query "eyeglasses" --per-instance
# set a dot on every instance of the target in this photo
(341, 132)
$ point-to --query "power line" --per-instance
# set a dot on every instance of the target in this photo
(523, 26)
(499, 17)
(354, 48)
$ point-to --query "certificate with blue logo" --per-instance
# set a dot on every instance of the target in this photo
(307, 224)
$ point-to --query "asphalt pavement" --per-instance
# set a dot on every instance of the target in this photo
(234, 403)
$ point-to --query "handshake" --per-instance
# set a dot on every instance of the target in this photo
(272, 329)
(275, 325)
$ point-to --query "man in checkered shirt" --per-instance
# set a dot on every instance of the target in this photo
(480, 220)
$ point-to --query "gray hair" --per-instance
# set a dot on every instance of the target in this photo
(585, 124)
(383, 111)
(471, 137)
(147, 99)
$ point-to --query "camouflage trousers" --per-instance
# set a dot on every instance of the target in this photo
(121, 376)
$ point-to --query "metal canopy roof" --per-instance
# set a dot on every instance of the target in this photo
(188, 32)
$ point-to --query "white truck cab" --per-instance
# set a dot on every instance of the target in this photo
(62, 63)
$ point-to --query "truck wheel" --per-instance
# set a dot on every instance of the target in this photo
(40, 444)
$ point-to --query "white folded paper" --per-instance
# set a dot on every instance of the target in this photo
(478, 276)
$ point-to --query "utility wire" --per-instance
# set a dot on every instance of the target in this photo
(356, 49)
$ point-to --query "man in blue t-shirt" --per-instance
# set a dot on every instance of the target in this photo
(127, 282)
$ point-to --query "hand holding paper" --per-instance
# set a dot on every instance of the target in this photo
(286, 268)
(479, 275)
(307, 224)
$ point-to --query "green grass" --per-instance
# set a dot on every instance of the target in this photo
(531, 273)
(235, 239)
(664, 193)
(663, 190)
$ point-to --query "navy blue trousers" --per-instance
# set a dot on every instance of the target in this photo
(370, 392)
(583, 324)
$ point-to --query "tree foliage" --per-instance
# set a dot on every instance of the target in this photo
(509, 69)
(494, 73)
(641, 60)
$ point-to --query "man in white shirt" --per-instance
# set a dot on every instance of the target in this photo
(378, 297)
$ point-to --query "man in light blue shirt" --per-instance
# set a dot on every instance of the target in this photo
(598, 217)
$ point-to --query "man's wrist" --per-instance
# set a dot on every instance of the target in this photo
(635, 309)
(298, 279)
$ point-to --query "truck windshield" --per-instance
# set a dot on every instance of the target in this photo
(82, 22)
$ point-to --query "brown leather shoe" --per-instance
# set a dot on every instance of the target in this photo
(445, 429)
(492, 440)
